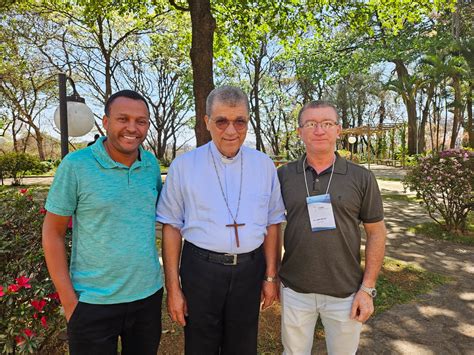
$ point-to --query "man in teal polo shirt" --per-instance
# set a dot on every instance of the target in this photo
(114, 285)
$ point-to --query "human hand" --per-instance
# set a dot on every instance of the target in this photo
(362, 307)
(269, 294)
(69, 308)
(177, 306)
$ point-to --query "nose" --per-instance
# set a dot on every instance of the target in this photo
(319, 130)
(230, 128)
(131, 126)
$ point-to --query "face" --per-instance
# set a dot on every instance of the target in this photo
(316, 139)
(126, 126)
(228, 140)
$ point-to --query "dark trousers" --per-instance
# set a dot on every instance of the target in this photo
(95, 328)
(223, 304)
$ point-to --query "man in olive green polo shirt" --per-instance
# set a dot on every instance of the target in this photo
(326, 198)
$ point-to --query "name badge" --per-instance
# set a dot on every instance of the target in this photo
(320, 212)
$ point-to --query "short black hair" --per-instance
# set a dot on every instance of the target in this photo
(317, 104)
(124, 93)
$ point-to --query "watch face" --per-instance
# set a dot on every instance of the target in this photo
(373, 292)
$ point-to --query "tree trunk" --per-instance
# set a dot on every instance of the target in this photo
(424, 118)
(39, 143)
(203, 26)
(457, 110)
(410, 103)
(469, 126)
(255, 98)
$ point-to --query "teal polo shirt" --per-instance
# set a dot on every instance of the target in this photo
(114, 258)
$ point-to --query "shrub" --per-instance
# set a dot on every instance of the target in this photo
(17, 165)
(29, 305)
(347, 155)
(445, 184)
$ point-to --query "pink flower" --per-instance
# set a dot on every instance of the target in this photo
(1, 291)
(13, 288)
(23, 191)
(43, 322)
(42, 210)
(38, 305)
(22, 281)
(29, 333)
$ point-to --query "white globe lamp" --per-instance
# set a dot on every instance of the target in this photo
(80, 119)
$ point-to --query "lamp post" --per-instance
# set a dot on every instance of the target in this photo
(351, 141)
(73, 117)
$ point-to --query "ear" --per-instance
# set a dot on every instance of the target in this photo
(105, 122)
(206, 119)
(299, 131)
(338, 131)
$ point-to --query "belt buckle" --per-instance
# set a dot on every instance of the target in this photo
(234, 261)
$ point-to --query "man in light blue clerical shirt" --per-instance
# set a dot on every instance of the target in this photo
(114, 286)
(224, 199)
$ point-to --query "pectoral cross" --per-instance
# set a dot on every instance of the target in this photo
(236, 226)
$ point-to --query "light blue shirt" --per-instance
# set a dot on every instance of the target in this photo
(114, 257)
(192, 200)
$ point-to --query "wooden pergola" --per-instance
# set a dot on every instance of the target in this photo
(378, 130)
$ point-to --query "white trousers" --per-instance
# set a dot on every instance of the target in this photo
(300, 312)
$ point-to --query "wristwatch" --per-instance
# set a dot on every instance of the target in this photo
(270, 278)
(372, 292)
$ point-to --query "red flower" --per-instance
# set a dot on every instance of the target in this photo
(53, 296)
(29, 333)
(43, 322)
(13, 288)
(1, 291)
(23, 191)
(38, 305)
(35, 316)
(42, 210)
(22, 281)
(19, 340)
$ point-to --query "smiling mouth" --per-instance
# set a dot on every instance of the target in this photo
(131, 138)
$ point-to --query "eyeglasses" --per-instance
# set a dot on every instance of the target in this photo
(239, 124)
(324, 125)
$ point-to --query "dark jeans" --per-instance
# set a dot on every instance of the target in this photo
(95, 328)
(223, 304)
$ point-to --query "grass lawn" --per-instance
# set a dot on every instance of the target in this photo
(435, 231)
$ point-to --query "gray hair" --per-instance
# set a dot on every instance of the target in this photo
(317, 104)
(228, 95)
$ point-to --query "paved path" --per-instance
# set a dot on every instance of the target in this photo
(441, 322)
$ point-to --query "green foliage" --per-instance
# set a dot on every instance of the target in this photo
(435, 231)
(29, 306)
(347, 155)
(17, 165)
(445, 183)
(400, 282)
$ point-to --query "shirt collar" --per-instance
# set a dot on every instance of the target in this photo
(218, 156)
(100, 154)
(340, 166)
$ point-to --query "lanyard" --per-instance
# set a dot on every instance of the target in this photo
(306, 181)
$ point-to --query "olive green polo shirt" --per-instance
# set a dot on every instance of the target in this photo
(327, 262)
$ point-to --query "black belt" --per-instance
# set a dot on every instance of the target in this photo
(222, 258)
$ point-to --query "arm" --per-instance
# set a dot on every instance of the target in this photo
(270, 250)
(363, 305)
(54, 232)
(177, 307)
